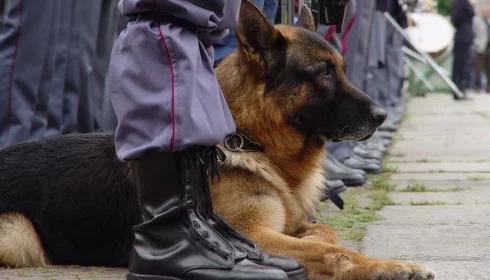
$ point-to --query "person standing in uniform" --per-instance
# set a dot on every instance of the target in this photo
(462, 14)
(171, 113)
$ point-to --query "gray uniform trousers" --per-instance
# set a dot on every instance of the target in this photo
(357, 58)
(51, 81)
(376, 79)
(395, 67)
(161, 79)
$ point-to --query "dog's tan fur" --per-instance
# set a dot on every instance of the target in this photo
(21, 246)
(267, 196)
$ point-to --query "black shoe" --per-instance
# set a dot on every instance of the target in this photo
(389, 126)
(337, 171)
(376, 142)
(464, 98)
(331, 192)
(292, 268)
(368, 153)
(362, 163)
(336, 186)
(174, 241)
(386, 135)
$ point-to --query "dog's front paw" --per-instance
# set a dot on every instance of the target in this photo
(401, 271)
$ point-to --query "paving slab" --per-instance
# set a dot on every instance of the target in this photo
(440, 176)
(63, 273)
(444, 184)
(443, 167)
(435, 215)
(463, 197)
(444, 145)
(428, 242)
(459, 270)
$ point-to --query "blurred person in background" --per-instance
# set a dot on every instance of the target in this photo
(480, 43)
(486, 17)
(462, 13)
(54, 56)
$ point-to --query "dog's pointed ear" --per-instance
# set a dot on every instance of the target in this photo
(306, 19)
(255, 33)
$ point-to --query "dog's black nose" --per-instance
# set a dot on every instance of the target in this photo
(378, 115)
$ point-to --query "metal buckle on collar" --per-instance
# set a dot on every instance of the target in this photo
(234, 142)
(241, 143)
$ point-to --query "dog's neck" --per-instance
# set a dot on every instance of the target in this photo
(295, 157)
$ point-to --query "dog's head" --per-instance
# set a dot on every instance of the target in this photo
(303, 78)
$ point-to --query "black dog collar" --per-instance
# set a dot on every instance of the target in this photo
(239, 142)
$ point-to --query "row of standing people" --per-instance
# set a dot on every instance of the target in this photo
(374, 46)
(54, 63)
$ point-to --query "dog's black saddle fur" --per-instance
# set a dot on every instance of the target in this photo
(74, 190)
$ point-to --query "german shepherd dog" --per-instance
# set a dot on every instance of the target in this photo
(69, 200)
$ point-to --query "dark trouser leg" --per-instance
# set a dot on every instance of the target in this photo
(462, 52)
(478, 68)
(24, 48)
(487, 68)
(109, 27)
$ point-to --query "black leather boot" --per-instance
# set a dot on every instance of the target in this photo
(290, 266)
(173, 241)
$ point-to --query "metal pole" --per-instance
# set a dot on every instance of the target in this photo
(418, 73)
(427, 57)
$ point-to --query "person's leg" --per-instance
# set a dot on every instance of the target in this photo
(468, 58)
(40, 121)
(109, 28)
(270, 9)
(478, 66)
(24, 43)
(487, 69)
(61, 48)
(89, 27)
(2, 6)
(459, 65)
(229, 44)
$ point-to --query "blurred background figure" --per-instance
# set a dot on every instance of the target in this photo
(480, 44)
(54, 56)
(462, 13)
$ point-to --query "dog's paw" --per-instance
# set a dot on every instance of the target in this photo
(401, 271)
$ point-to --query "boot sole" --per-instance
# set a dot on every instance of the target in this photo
(299, 274)
(133, 276)
(354, 182)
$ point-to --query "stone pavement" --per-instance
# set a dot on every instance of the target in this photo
(443, 154)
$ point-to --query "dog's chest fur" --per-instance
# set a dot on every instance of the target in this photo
(297, 201)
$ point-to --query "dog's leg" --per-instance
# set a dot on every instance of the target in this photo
(317, 232)
(19, 243)
(324, 261)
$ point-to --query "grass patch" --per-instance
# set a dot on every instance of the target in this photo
(417, 187)
(389, 169)
(396, 155)
(476, 178)
(380, 199)
(427, 203)
(381, 183)
(420, 187)
(351, 223)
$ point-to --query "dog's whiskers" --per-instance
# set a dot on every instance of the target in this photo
(342, 130)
